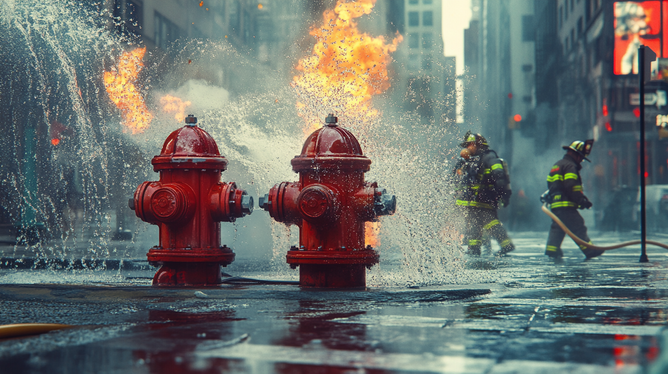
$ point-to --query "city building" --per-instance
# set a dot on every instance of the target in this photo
(583, 83)
(500, 91)
(425, 78)
(595, 87)
(500, 71)
(270, 35)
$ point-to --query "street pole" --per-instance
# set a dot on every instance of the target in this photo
(643, 215)
(645, 56)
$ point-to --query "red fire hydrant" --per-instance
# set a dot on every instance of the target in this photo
(188, 204)
(330, 204)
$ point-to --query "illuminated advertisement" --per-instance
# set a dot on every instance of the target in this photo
(638, 23)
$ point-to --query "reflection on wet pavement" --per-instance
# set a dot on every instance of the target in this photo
(603, 316)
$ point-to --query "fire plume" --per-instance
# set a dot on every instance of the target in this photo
(120, 84)
(172, 104)
(345, 69)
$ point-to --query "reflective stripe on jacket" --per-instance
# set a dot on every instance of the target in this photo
(482, 181)
(565, 184)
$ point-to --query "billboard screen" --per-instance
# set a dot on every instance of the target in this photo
(638, 23)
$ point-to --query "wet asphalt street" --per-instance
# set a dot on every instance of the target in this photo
(601, 316)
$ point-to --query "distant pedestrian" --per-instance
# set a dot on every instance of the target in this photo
(483, 185)
(565, 196)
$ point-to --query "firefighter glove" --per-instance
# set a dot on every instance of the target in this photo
(586, 204)
(545, 197)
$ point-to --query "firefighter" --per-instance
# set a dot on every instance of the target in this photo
(565, 197)
(483, 185)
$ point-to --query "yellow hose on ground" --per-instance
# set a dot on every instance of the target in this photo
(23, 329)
(592, 246)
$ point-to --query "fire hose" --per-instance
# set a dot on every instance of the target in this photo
(583, 243)
(23, 329)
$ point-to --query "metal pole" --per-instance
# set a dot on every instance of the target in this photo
(643, 215)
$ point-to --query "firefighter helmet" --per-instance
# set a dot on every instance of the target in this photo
(580, 147)
(474, 138)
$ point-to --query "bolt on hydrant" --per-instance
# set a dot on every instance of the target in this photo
(330, 204)
(188, 204)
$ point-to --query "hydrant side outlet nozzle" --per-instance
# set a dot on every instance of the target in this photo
(246, 204)
(263, 202)
(384, 204)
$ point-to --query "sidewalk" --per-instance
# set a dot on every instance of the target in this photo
(523, 315)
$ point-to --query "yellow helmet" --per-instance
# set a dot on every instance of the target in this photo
(580, 147)
(473, 138)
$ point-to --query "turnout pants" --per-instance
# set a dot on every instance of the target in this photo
(574, 222)
(482, 221)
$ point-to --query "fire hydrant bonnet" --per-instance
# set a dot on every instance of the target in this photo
(331, 147)
(189, 147)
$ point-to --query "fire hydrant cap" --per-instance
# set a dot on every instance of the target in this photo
(189, 147)
(331, 146)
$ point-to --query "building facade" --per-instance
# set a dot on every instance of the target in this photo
(500, 92)
(425, 78)
(270, 34)
(577, 85)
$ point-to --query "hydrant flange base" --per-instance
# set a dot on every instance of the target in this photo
(363, 257)
(223, 255)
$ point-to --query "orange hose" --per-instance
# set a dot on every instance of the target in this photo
(592, 246)
(23, 329)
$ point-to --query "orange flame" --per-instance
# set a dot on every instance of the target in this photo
(120, 85)
(345, 69)
(172, 104)
(372, 234)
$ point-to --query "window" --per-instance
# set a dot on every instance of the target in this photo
(427, 2)
(427, 40)
(580, 27)
(561, 16)
(527, 28)
(413, 19)
(235, 18)
(166, 31)
(413, 40)
(412, 2)
(428, 18)
(413, 61)
(426, 62)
